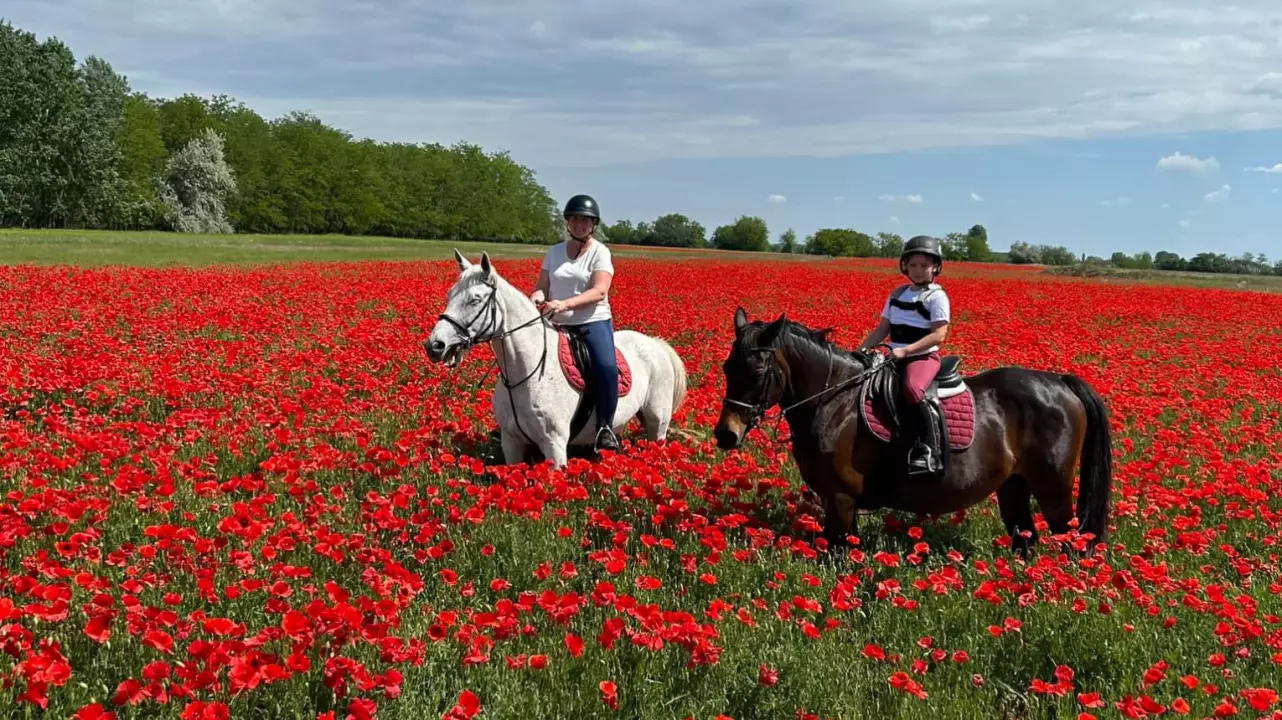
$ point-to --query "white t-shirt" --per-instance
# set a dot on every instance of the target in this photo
(936, 302)
(567, 278)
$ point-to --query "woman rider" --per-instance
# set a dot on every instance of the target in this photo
(574, 289)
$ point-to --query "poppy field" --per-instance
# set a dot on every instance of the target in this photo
(244, 492)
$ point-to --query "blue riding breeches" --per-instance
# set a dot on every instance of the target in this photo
(599, 338)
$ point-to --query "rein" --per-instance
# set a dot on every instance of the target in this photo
(757, 411)
(488, 334)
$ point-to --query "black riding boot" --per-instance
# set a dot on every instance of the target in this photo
(924, 458)
(606, 439)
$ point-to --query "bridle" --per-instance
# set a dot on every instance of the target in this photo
(757, 410)
(489, 334)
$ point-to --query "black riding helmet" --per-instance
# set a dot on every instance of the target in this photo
(926, 245)
(583, 205)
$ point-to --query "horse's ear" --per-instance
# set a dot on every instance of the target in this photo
(463, 264)
(486, 268)
(771, 332)
(740, 319)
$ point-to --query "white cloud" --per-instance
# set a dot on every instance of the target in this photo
(886, 197)
(1180, 161)
(627, 82)
(1184, 222)
(976, 196)
(777, 199)
(1118, 202)
(1275, 189)
(894, 219)
(1269, 85)
(1218, 195)
(1275, 169)
(839, 198)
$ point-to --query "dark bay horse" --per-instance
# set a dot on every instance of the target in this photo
(1031, 429)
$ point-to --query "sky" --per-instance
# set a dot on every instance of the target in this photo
(1100, 125)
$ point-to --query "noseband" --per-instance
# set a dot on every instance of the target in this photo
(757, 410)
(471, 339)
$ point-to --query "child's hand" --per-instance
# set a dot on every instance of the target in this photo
(898, 353)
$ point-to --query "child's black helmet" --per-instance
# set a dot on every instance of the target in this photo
(926, 245)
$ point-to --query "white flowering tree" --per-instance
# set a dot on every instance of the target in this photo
(195, 185)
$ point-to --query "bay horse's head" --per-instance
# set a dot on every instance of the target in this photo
(473, 312)
(755, 374)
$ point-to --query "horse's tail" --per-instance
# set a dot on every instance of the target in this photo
(678, 374)
(1095, 494)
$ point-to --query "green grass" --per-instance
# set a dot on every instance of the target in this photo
(97, 248)
(91, 248)
(1214, 281)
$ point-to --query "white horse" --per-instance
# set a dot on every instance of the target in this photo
(533, 401)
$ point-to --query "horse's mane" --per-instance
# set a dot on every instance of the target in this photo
(797, 336)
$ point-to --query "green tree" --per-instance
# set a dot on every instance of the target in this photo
(622, 233)
(889, 245)
(195, 185)
(96, 188)
(1021, 253)
(1164, 260)
(745, 233)
(142, 157)
(1056, 255)
(41, 101)
(676, 230)
(956, 247)
(977, 244)
(788, 242)
(841, 242)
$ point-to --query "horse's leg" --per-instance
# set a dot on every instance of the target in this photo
(655, 420)
(1013, 499)
(514, 446)
(839, 518)
(554, 449)
(847, 483)
(1053, 488)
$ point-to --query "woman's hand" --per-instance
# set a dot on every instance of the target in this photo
(555, 307)
(899, 353)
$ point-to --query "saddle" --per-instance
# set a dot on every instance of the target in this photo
(950, 403)
(576, 364)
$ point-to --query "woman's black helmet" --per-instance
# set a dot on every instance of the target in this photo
(582, 205)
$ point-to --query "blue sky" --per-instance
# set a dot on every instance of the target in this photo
(1096, 124)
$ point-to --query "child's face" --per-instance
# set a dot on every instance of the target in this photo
(921, 268)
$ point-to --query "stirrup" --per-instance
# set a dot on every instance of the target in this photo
(922, 460)
(611, 442)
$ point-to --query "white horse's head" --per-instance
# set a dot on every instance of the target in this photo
(474, 312)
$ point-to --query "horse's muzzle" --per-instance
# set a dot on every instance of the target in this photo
(726, 439)
(729, 430)
(439, 351)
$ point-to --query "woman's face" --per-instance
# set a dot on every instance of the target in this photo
(579, 226)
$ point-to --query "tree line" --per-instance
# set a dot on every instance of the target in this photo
(79, 149)
(750, 233)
